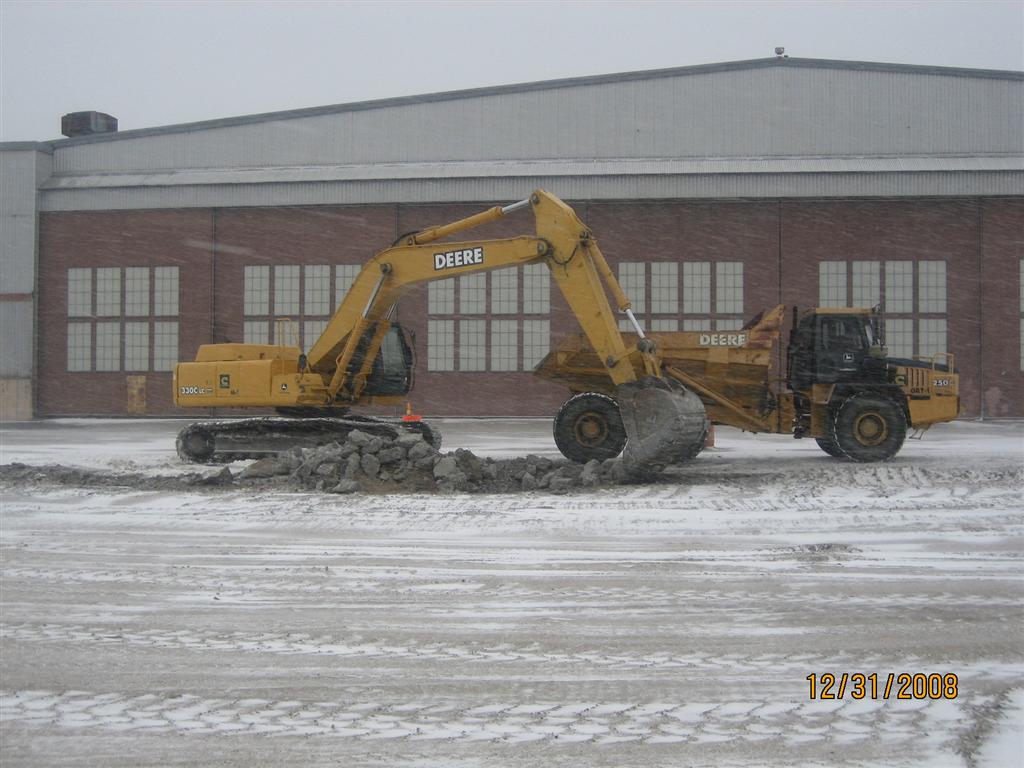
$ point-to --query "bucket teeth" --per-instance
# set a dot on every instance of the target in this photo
(665, 424)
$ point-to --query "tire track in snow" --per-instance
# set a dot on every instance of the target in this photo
(876, 725)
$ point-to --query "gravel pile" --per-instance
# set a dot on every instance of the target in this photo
(376, 464)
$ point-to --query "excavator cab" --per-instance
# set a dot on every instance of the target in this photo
(392, 372)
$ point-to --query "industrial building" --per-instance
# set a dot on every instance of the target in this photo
(714, 190)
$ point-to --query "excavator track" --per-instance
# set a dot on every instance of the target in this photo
(212, 442)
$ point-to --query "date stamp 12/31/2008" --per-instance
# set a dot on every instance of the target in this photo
(894, 685)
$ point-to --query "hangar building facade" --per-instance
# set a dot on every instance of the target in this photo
(714, 190)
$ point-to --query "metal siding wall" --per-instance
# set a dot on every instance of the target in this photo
(777, 111)
(16, 320)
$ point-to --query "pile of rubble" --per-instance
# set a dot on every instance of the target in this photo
(375, 464)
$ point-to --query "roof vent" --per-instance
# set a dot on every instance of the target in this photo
(87, 123)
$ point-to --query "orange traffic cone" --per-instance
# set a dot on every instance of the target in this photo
(409, 415)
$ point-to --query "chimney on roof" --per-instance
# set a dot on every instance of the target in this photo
(87, 123)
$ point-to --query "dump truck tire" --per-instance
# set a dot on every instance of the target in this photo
(869, 428)
(829, 446)
(589, 426)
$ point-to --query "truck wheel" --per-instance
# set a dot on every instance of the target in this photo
(588, 426)
(869, 428)
(828, 445)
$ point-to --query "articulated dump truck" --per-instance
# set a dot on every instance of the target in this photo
(833, 382)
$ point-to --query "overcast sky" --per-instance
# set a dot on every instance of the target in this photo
(161, 63)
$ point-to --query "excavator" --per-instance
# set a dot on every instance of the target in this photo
(363, 357)
(649, 397)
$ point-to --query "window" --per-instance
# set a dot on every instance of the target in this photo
(472, 345)
(165, 291)
(697, 325)
(80, 346)
(317, 293)
(697, 288)
(728, 323)
(440, 345)
(473, 294)
(286, 290)
(108, 292)
(899, 337)
(344, 276)
(504, 292)
(79, 293)
(867, 289)
(536, 342)
(441, 297)
(136, 345)
(311, 331)
(899, 286)
(832, 284)
(665, 287)
(931, 336)
(931, 287)
(664, 324)
(256, 332)
(536, 289)
(136, 291)
(633, 282)
(108, 346)
(729, 287)
(504, 345)
(256, 284)
(165, 345)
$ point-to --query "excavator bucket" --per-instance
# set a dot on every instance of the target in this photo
(665, 424)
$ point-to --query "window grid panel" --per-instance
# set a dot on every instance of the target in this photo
(931, 337)
(899, 286)
(344, 276)
(108, 346)
(632, 280)
(697, 325)
(505, 291)
(472, 296)
(832, 284)
(136, 291)
(504, 345)
(311, 331)
(729, 287)
(536, 342)
(697, 288)
(136, 346)
(256, 290)
(79, 292)
(472, 345)
(441, 297)
(165, 291)
(931, 286)
(108, 292)
(728, 323)
(316, 290)
(664, 324)
(165, 345)
(440, 345)
(867, 285)
(899, 337)
(627, 327)
(536, 289)
(286, 290)
(79, 347)
(665, 287)
(256, 332)
(286, 332)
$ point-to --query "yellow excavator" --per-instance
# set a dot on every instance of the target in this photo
(649, 397)
(363, 358)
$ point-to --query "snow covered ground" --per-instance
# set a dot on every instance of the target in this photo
(672, 624)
